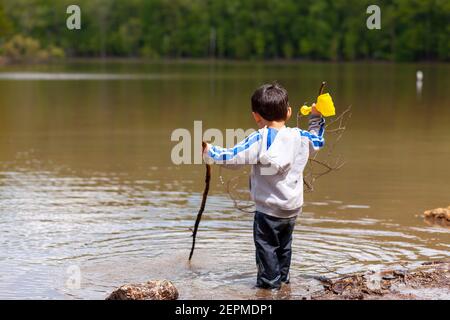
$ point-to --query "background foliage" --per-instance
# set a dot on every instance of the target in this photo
(238, 29)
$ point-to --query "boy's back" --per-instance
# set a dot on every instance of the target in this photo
(278, 158)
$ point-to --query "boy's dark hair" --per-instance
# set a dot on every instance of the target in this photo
(271, 101)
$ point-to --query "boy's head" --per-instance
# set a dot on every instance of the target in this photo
(271, 103)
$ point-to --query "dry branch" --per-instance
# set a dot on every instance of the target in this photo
(202, 208)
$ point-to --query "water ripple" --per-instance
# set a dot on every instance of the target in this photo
(49, 222)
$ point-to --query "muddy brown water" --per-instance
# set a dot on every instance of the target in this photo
(87, 183)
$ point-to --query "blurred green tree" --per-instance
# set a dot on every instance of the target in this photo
(237, 29)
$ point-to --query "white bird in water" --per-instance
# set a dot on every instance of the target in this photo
(419, 82)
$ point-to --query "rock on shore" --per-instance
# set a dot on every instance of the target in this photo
(151, 290)
(438, 213)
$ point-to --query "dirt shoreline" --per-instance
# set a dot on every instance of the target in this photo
(429, 281)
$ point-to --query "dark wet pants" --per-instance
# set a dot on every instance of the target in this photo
(273, 239)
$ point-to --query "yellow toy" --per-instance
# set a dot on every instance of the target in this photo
(324, 104)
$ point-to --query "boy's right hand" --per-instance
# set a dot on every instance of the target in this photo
(204, 147)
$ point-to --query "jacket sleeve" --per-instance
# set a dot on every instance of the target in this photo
(245, 152)
(315, 133)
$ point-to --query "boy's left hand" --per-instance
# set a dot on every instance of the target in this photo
(314, 111)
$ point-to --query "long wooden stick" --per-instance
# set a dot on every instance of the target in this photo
(322, 87)
(202, 208)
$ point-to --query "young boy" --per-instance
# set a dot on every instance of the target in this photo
(278, 156)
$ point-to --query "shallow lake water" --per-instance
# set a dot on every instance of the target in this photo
(87, 185)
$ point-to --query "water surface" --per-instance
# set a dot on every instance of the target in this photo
(86, 178)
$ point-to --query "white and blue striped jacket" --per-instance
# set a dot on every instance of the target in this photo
(278, 158)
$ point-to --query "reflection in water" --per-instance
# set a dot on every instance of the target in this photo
(86, 179)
